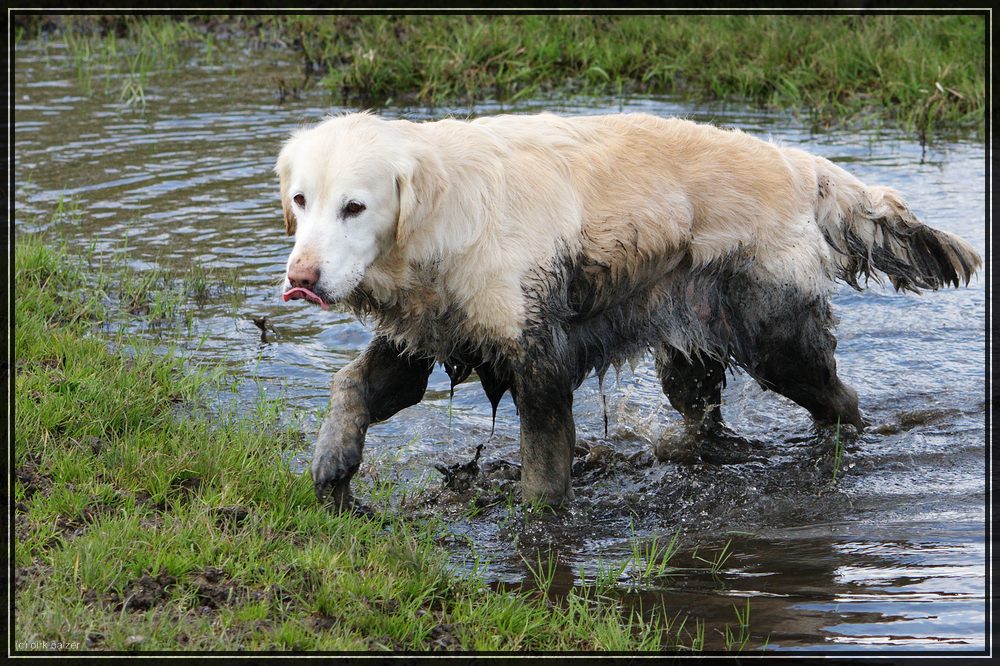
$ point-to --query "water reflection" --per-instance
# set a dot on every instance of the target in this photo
(817, 587)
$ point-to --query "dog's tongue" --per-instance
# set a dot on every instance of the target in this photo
(299, 292)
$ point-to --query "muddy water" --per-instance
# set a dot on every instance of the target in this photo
(890, 555)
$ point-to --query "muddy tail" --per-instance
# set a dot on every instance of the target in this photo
(873, 232)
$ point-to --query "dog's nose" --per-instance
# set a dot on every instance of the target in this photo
(303, 277)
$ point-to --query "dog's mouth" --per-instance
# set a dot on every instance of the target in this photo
(298, 293)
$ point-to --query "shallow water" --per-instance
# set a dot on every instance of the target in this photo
(890, 556)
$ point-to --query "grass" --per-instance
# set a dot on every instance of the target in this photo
(716, 562)
(651, 559)
(737, 639)
(926, 72)
(146, 521)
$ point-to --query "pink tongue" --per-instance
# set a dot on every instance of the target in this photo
(299, 292)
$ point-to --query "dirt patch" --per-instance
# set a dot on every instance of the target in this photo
(24, 575)
(187, 485)
(147, 592)
(230, 516)
(32, 480)
(324, 622)
(142, 498)
(443, 637)
(73, 526)
(212, 587)
(216, 590)
(140, 594)
(69, 528)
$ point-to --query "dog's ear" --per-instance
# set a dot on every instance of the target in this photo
(289, 215)
(283, 169)
(420, 182)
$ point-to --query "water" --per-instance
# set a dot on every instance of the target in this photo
(890, 557)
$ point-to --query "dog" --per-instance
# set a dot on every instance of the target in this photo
(535, 250)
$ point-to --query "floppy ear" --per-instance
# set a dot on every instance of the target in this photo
(420, 182)
(283, 169)
(289, 216)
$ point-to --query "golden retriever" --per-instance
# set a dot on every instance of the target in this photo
(534, 250)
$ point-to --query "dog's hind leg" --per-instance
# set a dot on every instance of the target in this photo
(371, 388)
(791, 351)
(693, 385)
(807, 374)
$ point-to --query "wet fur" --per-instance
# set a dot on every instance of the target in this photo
(535, 250)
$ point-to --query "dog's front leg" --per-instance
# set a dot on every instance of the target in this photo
(543, 389)
(373, 387)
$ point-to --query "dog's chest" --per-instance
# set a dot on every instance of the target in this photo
(430, 315)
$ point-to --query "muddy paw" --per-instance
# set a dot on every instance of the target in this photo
(331, 474)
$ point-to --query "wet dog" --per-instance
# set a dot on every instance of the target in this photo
(534, 250)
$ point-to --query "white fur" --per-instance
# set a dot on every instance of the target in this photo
(467, 214)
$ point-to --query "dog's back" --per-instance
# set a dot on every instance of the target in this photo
(674, 186)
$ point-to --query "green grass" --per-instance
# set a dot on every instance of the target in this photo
(651, 559)
(736, 639)
(926, 72)
(717, 561)
(144, 520)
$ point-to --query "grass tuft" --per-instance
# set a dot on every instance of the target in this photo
(925, 72)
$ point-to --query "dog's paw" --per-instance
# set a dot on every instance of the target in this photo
(331, 475)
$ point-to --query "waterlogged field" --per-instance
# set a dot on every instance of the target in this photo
(785, 538)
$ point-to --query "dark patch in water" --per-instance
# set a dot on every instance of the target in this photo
(912, 419)
(461, 476)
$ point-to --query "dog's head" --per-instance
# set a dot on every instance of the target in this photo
(352, 188)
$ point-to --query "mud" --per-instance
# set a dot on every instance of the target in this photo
(214, 589)
(665, 481)
(32, 480)
(726, 481)
(460, 477)
(230, 516)
(139, 595)
(24, 575)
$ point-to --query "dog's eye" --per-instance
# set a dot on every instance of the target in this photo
(353, 208)
(300, 200)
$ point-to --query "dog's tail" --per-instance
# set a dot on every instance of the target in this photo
(872, 231)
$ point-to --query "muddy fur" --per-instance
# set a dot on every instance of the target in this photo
(709, 317)
(873, 233)
(536, 250)
(373, 387)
